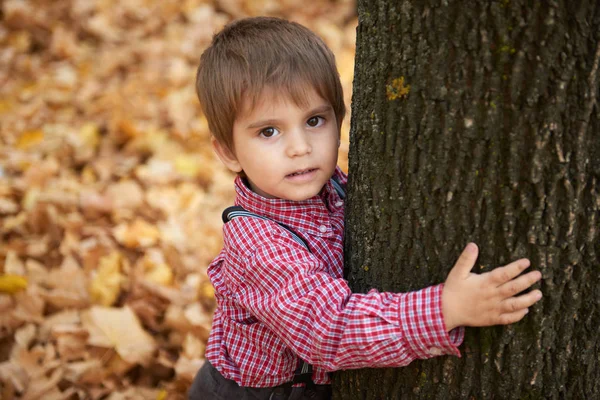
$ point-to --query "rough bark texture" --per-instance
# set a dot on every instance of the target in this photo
(479, 121)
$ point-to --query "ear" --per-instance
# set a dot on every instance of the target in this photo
(226, 156)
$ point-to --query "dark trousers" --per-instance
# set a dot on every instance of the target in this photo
(209, 384)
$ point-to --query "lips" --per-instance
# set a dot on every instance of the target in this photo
(302, 172)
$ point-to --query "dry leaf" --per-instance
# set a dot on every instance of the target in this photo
(29, 139)
(120, 329)
(71, 340)
(8, 206)
(30, 306)
(85, 372)
(68, 286)
(14, 374)
(187, 368)
(89, 134)
(126, 194)
(40, 387)
(138, 234)
(193, 347)
(13, 264)
(90, 200)
(155, 268)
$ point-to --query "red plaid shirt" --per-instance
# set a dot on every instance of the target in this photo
(277, 301)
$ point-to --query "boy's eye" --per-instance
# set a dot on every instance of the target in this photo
(269, 132)
(313, 122)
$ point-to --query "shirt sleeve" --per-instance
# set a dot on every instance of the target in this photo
(323, 322)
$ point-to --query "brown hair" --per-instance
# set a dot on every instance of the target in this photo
(253, 53)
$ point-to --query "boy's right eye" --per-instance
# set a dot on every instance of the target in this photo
(269, 132)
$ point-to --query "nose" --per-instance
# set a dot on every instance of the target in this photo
(298, 144)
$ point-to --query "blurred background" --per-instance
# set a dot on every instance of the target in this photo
(110, 195)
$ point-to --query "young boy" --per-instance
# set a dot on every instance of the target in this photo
(272, 96)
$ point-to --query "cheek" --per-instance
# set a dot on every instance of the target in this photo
(333, 143)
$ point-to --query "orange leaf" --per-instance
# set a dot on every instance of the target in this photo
(30, 138)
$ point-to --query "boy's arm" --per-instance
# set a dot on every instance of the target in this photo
(326, 324)
(483, 299)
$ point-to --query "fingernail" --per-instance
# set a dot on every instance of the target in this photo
(538, 295)
(527, 311)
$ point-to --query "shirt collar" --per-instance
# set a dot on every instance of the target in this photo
(310, 215)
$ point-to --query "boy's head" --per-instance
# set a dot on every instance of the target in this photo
(272, 96)
(253, 54)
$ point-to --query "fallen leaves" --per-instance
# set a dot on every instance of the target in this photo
(110, 195)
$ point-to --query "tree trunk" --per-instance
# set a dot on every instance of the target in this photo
(478, 121)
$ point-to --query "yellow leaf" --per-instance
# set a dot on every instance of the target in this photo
(158, 273)
(150, 141)
(5, 106)
(106, 285)
(88, 175)
(12, 283)
(162, 395)
(186, 165)
(30, 199)
(156, 140)
(90, 134)
(29, 139)
(21, 41)
(206, 290)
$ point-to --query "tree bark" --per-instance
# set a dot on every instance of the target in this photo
(479, 121)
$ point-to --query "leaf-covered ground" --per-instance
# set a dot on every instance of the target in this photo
(110, 196)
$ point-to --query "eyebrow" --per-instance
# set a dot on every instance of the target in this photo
(318, 110)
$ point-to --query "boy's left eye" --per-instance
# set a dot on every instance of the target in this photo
(314, 122)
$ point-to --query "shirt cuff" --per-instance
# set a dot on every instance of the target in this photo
(423, 324)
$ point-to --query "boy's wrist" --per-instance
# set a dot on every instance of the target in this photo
(448, 310)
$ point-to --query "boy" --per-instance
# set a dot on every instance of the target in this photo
(272, 96)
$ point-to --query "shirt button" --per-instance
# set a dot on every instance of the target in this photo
(339, 203)
(322, 229)
(434, 351)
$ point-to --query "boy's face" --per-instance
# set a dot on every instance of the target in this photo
(285, 150)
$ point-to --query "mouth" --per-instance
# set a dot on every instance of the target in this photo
(301, 172)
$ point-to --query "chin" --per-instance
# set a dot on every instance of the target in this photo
(299, 198)
(302, 195)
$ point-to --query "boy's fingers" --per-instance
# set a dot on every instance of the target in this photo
(504, 274)
(511, 318)
(519, 284)
(466, 260)
(516, 304)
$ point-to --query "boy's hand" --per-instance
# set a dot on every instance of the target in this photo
(486, 299)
